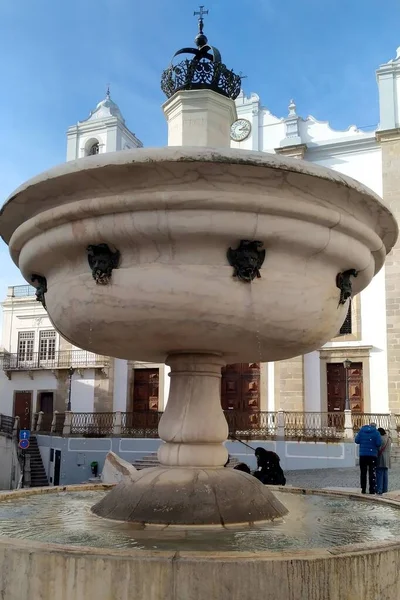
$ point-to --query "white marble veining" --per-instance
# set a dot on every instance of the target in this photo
(173, 213)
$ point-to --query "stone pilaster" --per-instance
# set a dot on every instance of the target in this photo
(390, 143)
(289, 384)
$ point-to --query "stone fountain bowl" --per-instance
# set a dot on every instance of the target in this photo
(173, 214)
(32, 569)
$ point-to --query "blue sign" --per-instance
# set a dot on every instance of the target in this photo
(24, 444)
(24, 434)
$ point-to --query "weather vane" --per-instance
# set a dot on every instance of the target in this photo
(201, 13)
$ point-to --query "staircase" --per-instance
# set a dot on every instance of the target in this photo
(151, 460)
(38, 474)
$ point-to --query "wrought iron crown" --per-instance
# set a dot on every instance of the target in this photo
(205, 71)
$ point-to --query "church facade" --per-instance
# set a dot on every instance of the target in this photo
(369, 337)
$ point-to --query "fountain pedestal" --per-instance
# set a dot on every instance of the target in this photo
(193, 425)
(192, 487)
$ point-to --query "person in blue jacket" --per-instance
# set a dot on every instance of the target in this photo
(370, 441)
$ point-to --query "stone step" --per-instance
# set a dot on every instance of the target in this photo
(151, 461)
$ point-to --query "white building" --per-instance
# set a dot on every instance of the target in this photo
(36, 361)
(315, 382)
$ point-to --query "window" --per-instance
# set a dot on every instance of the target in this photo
(26, 340)
(346, 328)
(47, 345)
(94, 149)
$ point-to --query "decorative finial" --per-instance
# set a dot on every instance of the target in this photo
(292, 109)
(200, 39)
(108, 96)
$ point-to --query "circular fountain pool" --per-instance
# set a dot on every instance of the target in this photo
(330, 546)
(314, 521)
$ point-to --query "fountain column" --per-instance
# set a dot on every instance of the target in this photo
(193, 426)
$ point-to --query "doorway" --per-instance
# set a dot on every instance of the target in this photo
(240, 387)
(22, 408)
(57, 467)
(45, 403)
(145, 389)
(336, 378)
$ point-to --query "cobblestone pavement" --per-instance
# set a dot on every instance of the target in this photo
(323, 478)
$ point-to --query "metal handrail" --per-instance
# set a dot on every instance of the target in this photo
(61, 359)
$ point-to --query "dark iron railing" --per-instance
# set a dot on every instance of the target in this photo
(251, 424)
(63, 359)
(99, 424)
(141, 424)
(7, 424)
(260, 425)
(380, 419)
(313, 425)
(59, 423)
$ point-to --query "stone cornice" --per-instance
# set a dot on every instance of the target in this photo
(342, 352)
(345, 146)
(388, 135)
(295, 151)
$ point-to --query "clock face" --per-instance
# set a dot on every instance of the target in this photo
(240, 130)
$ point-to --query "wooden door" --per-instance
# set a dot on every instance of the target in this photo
(145, 390)
(336, 378)
(46, 402)
(240, 387)
(22, 408)
(356, 394)
(240, 395)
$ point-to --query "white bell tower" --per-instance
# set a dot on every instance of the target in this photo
(103, 131)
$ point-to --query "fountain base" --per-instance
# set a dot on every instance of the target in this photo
(190, 497)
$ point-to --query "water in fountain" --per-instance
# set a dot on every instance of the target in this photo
(313, 521)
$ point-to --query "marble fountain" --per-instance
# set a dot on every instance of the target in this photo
(196, 255)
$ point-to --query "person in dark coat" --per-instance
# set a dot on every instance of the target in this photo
(243, 467)
(369, 439)
(269, 470)
(383, 462)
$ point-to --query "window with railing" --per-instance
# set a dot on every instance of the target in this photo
(26, 341)
(47, 345)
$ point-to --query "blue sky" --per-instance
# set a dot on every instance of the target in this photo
(57, 58)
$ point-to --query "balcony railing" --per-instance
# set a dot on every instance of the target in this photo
(21, 291)
(92, 424)
(251, 425)
(143, 424)
(258, 425)
(380, 419)
(62, 359)
(7, 424)
(313, 425)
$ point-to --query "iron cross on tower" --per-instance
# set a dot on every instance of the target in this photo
(201, 13)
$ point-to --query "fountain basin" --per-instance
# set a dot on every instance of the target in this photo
(364, 571)
(173, 213)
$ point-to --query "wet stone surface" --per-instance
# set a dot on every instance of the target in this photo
(328, 478)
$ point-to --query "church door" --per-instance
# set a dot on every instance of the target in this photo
(145, 390)
(240, 393)
(336, 378)
(145, 400)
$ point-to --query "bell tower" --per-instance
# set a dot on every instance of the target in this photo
(103, 131)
